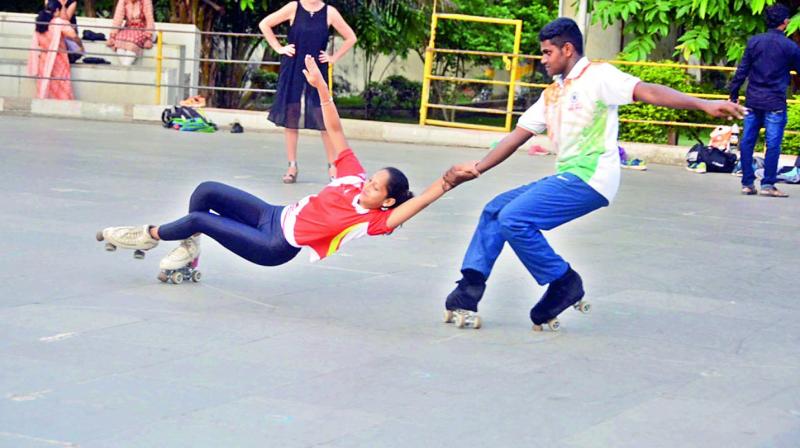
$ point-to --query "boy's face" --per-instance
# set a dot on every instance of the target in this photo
(555, 58)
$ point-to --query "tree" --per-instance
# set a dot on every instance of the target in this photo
(711, 30)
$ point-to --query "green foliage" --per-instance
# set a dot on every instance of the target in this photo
(489, 37)
(791, 143)
(394, 92)
(711, 30)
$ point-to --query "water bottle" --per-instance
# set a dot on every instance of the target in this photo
(734, 144)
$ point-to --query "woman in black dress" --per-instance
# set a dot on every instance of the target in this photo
(295, 106)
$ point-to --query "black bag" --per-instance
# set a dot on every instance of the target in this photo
(92, 36)
(717, 161)
(693, 156)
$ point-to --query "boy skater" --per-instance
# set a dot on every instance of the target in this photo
(579, 112)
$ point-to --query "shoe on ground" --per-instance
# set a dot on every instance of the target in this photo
(635, 164)
(185, 253)
(771, 191)
(130, 237)
(749, 190)
(697, 167)
(537, 150)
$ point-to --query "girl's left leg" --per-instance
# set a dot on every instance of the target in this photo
(224, 200)
(243, 223)
(330, 153)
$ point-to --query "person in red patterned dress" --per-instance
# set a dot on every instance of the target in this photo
(48, 59)
(136, 35)
(349, 207)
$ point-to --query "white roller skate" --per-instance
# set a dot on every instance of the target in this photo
(136, 238)
(462, 318)
(181, 262)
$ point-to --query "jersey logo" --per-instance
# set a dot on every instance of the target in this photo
(574, 103)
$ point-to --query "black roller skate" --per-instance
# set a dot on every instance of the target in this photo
(461, 306)
(561, 294)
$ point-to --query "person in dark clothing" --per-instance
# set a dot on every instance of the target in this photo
(767, 61)
(296, 107)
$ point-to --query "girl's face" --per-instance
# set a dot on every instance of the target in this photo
(374, 194)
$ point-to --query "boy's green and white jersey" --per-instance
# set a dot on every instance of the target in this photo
(579, 113)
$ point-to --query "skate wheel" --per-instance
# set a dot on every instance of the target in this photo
(448, 316)
(138, 254)
(110, 247)
(554, 324)
(583, 307)
(99, 235)
(461, 320)
(476, 323)
(196, 275)
(177, 278)
(163, 276)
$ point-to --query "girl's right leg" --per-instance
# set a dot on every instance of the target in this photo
(291, 137)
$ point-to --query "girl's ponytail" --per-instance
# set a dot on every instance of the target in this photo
(397, 187)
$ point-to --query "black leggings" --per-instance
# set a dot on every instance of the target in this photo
(244, 224)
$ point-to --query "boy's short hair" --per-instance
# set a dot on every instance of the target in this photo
(776, 15)
(561, 31)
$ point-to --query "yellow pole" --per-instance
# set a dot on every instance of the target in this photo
(426, 77)
(159, 59)
(513, 80)
(330, 78)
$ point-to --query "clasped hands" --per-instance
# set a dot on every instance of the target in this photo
(460, 173)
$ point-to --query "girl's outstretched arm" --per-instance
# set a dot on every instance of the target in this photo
(333, 125)
(411, 207)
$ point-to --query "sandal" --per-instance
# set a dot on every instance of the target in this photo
(290, 178)
(749, 190)
(773, 192)
(331, 167)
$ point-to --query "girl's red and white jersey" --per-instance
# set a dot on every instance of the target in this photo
(333, 217)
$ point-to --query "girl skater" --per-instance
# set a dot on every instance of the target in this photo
(351, 206)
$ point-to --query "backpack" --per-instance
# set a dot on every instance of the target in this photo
(184, 118)
(717, 161)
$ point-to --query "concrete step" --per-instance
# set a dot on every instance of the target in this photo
(107, 91)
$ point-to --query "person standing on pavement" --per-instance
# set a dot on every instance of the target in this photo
(296, 107)
(767, 61)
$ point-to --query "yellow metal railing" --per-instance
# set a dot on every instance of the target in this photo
(512, 65)
(428, 76)
(159, 60)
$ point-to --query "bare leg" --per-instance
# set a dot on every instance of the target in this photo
(290, 136)
(330, 153)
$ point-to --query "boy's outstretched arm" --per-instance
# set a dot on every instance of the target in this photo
(659, 95)
(333, 125)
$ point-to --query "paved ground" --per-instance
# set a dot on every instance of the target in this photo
(694, 339)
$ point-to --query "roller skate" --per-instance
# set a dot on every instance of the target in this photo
(181, 263)
(461, 306)
(136, 238)
(561, 294)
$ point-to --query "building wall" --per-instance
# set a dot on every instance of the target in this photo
(599, 43)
